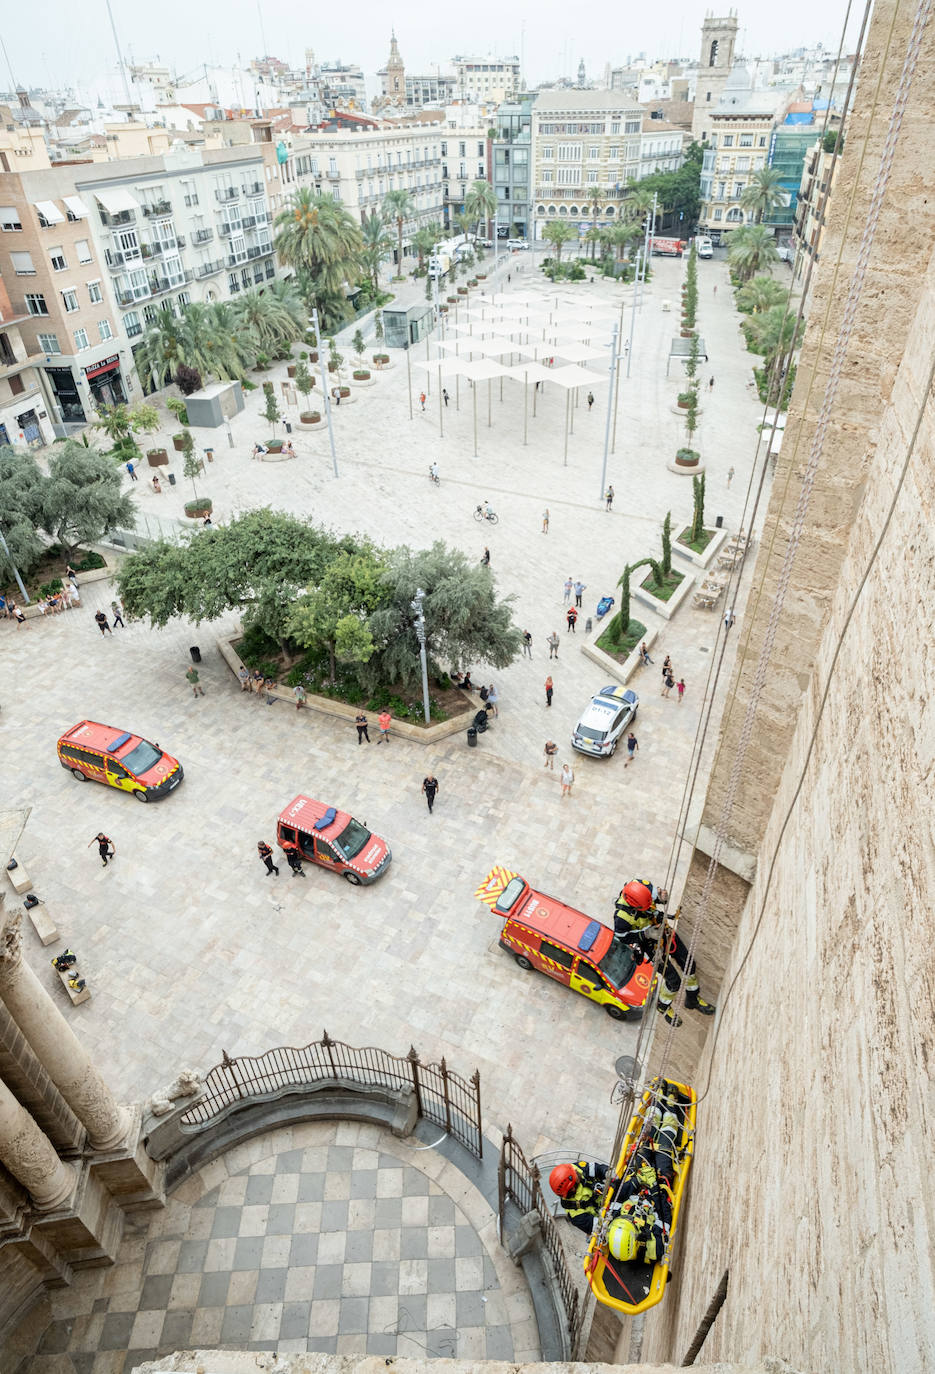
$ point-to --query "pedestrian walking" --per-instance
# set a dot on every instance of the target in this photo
(609, 499)
(72, 593)
(580, 589)
(192, 677)
(268, 686)
(243, 672)
(711, 384)
(644, 654)
(553, 642)
(383, 721)
(569, 584)
(567, 779)
(729, 619)
(298, 692)
(294, 860)
(485, 558)
(430, 788)
(632, 746)
(680, 685)
(571, 617)
(132, 471)
(590, 399)
(157, 488)
(116, 611)
(730, 475)
(551, 749)
(714, 292)
(545, 521)
(666, 667)
(71, 574)
(105, 847)
(668, 684)
(422, 399)
(360, 720)
(527, 643)
(445, 396)
(548, 691)
(103, 623)
(336, 395)
(493, 697)
(266, 854)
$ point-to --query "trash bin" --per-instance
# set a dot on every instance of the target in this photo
(480, 722)
(719, 522)
(171, 479)
(472, 737)
(209, 454)
(195, 653)
(288, 426)
(588, 626)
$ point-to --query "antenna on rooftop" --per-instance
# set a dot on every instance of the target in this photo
(120, 62)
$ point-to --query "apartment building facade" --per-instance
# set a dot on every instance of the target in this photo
(359, 167)
(818, 172)
(737, 139)
(512, 166)
(91, 252)
(486, 78)
(587, 142)
(24, 406)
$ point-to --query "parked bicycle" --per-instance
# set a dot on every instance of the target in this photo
(485, 513)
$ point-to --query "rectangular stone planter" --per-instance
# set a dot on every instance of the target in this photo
(666, 609)
(622, 672)
(702, 560)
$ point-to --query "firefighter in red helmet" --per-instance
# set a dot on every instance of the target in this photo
(640, 919)
(579, 1189)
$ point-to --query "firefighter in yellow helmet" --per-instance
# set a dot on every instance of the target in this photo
(643, 1206)
(640, 919)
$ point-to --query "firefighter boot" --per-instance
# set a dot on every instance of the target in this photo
(695, 1002)
(668, 1012)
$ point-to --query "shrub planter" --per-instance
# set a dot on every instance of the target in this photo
(452, 300)
(178, 443)
(309, 419)
(344, 391)
(157, 457)
(687, 333)
(361, 374)
(462, 290)
(666, 609)
(443, 309)
(482, 276)
(313, 357)
(716, 540)
(274, 445)
(686, 461)
(472, 281)
(380, 359)
(199, 508)
(332, 367)
(291, 369)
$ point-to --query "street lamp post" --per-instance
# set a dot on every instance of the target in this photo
(420, 634)
(324, 389)
(611, 405)
(19, 581)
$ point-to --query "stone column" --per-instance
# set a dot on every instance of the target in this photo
(55, 1044)
(28, 1154)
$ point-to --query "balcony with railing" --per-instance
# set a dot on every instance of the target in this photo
(228, 227)
(333, 175)
(209, 269)
(121, 218)
(114, 260)
(235, 259)
(132, 331)
(253, 188)
(226, 193)
(158, 209)
(248, 221)
(128, 296)
(202, 236)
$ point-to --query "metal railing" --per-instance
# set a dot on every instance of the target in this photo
(518, 1182)
(442, 1097)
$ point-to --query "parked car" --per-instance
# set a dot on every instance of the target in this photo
(485, 243)
(604, 720)
(546, 934)
(516, 244)
(118, 758)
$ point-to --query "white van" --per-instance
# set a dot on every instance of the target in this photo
(704, 247)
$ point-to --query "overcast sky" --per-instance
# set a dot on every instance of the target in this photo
(68, 43)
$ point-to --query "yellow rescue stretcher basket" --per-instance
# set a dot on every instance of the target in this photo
(633, 1286)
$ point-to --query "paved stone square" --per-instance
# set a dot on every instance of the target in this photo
(334, 1238)
(190, 949)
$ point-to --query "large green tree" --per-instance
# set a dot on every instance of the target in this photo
(377, 244)
(750, 250)
(207, 338)
(481, 204)
(21, 483)
(764, 192)
(334, 614)
(319, 238)
(398, 207)
(273, 315)
(558, 232)
(678, 193)
(465, 623)
(761, 293)
(81, 499)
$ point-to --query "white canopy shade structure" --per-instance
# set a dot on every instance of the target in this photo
(444, 369)
(529, 372)
(496, 347)
(571, 378)
(580, 353)
(483, 370)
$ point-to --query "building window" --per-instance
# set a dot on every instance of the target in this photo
(569, 176)
(718, 214)
(233, 283)
(569, 152)
(548, 153)
(131, 324)
(745, 141)
(23, 264)
(81, 340)
(741, 164)
(738, 189)
(184, 298)
(728, 141)
(632, 126)
(9, 219)
(17, 386)
(83, 249)
(105, 331)
(762, 142)
(593, 178)
(70, 301)
(149, 314)
(547, 176)
(49, 343)
(593, 153)
(95, 295)
(615, 126)
(57, 259)
(35, 304)
(613, 152)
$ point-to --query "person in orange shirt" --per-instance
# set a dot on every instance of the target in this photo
(383, 721)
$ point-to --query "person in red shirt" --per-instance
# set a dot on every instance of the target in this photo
(571, 617)
(266, 854)
(383, 721)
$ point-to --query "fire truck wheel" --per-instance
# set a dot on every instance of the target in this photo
(353, 878)
(523, 962)
(141, 796)
(76, 772)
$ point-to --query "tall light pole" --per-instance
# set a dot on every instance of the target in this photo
(420, 635)
(324, 389)
(19, 581)
(610, 405)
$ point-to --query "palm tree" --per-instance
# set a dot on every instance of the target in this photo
(377, 244)
(230, 347)
(399, 206)
(760, 294)
(594, 236)
(763, 193)
(775, 333)
(273, 315)
(424, 240)
(558, 232)
(464, 222)
(636, 206)
(750, 250)
(481, 203)
(317, 235)
(621, 235)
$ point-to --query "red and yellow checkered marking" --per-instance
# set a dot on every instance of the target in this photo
(494, 885)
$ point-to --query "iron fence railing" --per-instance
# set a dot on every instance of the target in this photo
(443, 1097)
(519, 1182)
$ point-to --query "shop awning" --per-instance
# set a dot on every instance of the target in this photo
(49, 211)
(115, 200)
(77, 206)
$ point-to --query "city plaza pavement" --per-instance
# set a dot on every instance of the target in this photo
(190, 949)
